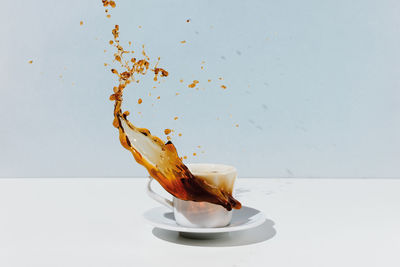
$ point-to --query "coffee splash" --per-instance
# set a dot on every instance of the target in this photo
(160, 159)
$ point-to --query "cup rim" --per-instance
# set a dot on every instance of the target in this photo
(224, 169)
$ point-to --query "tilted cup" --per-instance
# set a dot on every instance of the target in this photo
(202, 214)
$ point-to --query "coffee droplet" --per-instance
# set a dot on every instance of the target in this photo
(193, 84)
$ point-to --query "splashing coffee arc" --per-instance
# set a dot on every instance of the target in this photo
(160, 159)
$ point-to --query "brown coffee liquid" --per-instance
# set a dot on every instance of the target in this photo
(160, 159)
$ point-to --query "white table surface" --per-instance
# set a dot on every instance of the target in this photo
(98, 222)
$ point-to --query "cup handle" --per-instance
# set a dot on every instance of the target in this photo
(166, 202)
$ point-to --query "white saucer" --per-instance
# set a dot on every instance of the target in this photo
(242, 219)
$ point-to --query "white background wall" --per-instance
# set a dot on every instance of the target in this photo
(314, 86)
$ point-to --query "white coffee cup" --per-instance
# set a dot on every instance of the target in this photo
(201, 214)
